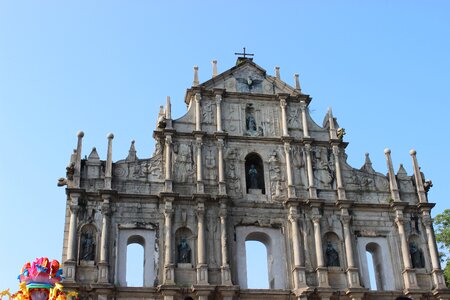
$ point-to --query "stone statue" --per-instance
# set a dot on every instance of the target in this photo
(253, 176)
(417, 258)
(87, 246)
(251, 123)
(184, 252)
(332, 256)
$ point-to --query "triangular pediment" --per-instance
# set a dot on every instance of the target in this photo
(248, 77)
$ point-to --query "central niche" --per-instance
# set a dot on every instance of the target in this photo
(254, 174)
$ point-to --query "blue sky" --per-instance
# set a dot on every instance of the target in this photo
(106, 66)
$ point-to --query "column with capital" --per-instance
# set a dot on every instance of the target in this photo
(197, 99)
(225, 268)
(70, 263)
(322, 272)
(409, 275)
(303, 107)
(103, 265)
(198, 146)
(169, 268)
(438, 276)
(283, 104)
(299, 268)
(352, 271)
(168, 166)
(222, 183)
(202, 266)
(291, 187)
(219, 110)
(337, 164)
(311, 188)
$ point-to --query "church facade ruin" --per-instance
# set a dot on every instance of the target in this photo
(247, 163)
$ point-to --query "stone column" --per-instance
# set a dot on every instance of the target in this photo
(297, 82)
(291, 187)
(419, 180)
(198, 118)
(168, 166)
(71, 259)
(337, 163)
(202, 266)
(103, 265)
(304, 120)
(283, 104)
(438, 277)
(219, 111)
(198, 144)
(322, 272)
(195, 82)
(108, 168)
(409, 275)
(392, 180)
(225, 268)
(352, 271)
(311, 188)
(299, 269)
(77, 167)
(169, 267)
(222, 182)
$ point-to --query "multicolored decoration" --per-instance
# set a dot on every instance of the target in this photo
(40, 280)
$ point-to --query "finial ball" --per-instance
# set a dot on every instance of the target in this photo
(110, 136)
(387, 151)
(412, 152)
(80, 134)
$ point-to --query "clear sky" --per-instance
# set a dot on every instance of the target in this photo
(106, 66)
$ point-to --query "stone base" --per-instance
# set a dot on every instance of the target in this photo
(169, 275)
(255, 191)
(103, 272)
(353, 278)
(322, 277)
(69, 271)
(299, 278)
(202, 275)
(410, 279)
(226, 276)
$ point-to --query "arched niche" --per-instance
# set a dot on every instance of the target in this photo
(87, 244)
(254, 174)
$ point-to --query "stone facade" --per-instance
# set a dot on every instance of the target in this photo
(247, 162)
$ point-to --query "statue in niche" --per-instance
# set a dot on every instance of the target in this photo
(184, 252)
(322, 170)
(332, 256)
(207, 112)
(251, 123)
(417, 258)
(253, 175)
(87, 246)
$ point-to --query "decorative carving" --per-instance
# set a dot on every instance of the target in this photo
(340, 133)
(276, 178)
(210, 163)
(249, 84)
(323, 168)
(184, 168)
(293, 117)
(207, 112)
(250, 122)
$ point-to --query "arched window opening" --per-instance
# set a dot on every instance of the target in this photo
(135, 261)
(254, 174)
(373, 284)
(375, 265)
(257, 265)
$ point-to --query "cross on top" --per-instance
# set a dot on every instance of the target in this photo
(244, 54)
